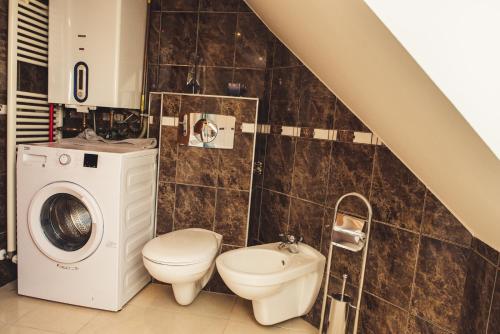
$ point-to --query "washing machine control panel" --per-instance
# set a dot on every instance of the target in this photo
(90, 160)
(64, 159)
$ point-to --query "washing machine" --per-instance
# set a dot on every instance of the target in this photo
(83, 215)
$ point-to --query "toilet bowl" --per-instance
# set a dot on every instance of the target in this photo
(183, 258)
(281, 285)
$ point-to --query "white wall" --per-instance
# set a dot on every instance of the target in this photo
(457, 43)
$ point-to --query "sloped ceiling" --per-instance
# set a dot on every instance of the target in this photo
(353, 53)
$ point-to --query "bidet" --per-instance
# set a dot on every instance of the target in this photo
(281, 284)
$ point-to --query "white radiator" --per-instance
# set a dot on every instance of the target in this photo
(28, 113)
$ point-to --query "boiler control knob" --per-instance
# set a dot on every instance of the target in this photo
(64, 159)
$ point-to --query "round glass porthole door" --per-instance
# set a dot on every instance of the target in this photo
(65, 222)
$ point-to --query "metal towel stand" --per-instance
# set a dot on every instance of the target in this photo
(363, 264)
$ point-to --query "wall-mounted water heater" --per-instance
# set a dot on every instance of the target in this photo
(96, 51)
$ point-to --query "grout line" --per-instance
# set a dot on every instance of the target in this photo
(412, 291)
(325, 210)
(291, 187)
(497, 281)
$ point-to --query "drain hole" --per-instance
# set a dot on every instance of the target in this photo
(283, 262)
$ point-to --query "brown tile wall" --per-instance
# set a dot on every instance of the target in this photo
(425, 272)
(205, 188)
(423, 263)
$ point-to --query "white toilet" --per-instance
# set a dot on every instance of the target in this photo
(280, 284)
(185, 259)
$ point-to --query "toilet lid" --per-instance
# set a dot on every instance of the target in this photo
(183, 247)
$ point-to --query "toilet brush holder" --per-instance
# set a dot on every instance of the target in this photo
(338, 319)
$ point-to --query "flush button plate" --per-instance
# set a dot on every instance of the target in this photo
(207, 130)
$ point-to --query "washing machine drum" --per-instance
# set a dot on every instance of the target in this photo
(66, 222)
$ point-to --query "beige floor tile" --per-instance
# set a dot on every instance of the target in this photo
(22, 330)
(57, 317)
(242, 311)
(298, 324)
(235, 327)
(13, 306)
(206, 304)
(138, 319)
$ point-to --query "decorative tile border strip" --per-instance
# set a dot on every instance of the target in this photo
(321, 134)
(174, 122)
(344, 136)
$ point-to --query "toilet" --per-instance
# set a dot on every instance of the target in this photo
(183, 258)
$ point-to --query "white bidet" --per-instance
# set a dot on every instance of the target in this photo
(281, 285)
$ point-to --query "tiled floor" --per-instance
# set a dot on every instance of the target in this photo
(152, 311)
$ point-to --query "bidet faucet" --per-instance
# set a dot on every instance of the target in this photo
(290, 242)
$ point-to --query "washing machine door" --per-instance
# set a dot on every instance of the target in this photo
(65, 222)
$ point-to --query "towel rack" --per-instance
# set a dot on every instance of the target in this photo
(363, 238)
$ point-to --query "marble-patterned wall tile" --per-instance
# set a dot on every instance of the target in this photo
(317, 103)
(273, 215)
(306, 220)
(378, 316)
(155, 5)
(284, 107)
(168, 154)
(194, 207)
(439, 282)
(253, 79)
(3, 143)
(485, 250)
(153, 71)
(172, 78)
(283, 57)
(350, 171)
(478, 292)
(438, 222)
(219, 5)
(279, 163)
(216, 36)
(32, 78)
(235, 166)
(392, 258)
(3, 50)
(231, 216)
(259, 159)
(154, 38)
(178, 38)
(179, 5)
(171, 105)
(253, 42)
(417, 325)
(494, 321)
(253, 229)
(310, 172)
(165, 210)
(197, 165)
(346, 120)
(193, 103)
(397, 194)
(214, 80)
(243, 110)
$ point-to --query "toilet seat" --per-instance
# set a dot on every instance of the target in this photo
(182, 248)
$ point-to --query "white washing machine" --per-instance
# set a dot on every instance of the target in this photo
(83, 215)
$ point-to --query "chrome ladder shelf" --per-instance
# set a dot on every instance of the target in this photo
(355, 241)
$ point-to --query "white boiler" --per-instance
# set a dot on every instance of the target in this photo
(96, 51)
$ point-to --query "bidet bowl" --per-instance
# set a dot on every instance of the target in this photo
(280, 284)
